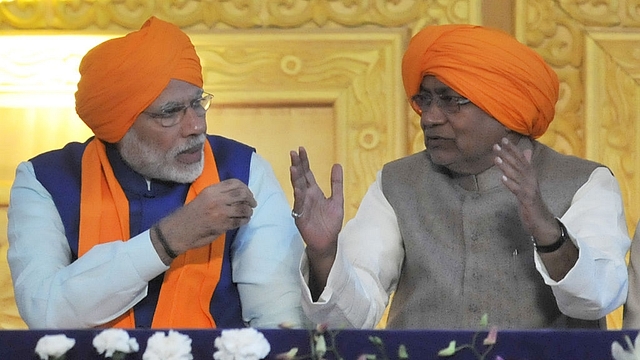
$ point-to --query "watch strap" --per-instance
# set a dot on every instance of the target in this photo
(564, 236)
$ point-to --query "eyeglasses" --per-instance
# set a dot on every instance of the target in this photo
(173, 114)
(447, 103)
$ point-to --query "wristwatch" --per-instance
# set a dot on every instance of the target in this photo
(564, 236)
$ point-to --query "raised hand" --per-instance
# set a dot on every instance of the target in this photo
(318, 218)
(520, 178)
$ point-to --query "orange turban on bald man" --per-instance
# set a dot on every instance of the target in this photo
(121, 77)
(503, 77)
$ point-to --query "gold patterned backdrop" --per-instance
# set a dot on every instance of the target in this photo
(319, 73)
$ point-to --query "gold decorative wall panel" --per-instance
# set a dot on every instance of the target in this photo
(593, 46)
(234, 14)
(354, 74)
(612, 120)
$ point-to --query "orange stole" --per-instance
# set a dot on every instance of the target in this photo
(189, 283)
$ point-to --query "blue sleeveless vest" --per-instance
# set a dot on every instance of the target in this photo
(59, 171)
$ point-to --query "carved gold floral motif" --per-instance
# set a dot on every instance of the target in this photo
(593, 46)
(236, 14)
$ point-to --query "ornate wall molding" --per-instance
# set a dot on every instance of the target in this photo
(612, 117)
(593, 48)
(603, 13)
(237, 14)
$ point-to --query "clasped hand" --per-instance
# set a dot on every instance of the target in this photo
(216, 209)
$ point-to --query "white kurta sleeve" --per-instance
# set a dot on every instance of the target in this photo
(631, 319)
(266, 253)
(53, 292)
(366, 270)
(597, 283)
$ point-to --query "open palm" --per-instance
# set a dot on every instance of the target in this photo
(321, 217)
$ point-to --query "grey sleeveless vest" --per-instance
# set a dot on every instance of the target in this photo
(466, 251)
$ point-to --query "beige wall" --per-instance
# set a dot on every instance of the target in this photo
(320, 74)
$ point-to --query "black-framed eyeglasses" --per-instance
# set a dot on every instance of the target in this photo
(449, 104)
(173, 115)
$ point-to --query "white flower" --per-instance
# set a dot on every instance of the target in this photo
(241, 344)
(112, 340)
(633, 353)
(53, 345)
(175, 346)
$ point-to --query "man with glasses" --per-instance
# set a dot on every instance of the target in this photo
(485, 220)
(152, 222)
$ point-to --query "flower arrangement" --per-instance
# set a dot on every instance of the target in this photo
(250, 344)
(54, 347)
(241, 344)
(115, 343)
(174, 346)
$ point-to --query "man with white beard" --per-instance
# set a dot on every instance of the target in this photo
(151, 222)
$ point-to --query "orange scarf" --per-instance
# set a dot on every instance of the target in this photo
(104, 217)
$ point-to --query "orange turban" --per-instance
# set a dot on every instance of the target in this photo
(121, 77)
(503, 77)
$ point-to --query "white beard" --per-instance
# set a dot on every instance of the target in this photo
(148, 161)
